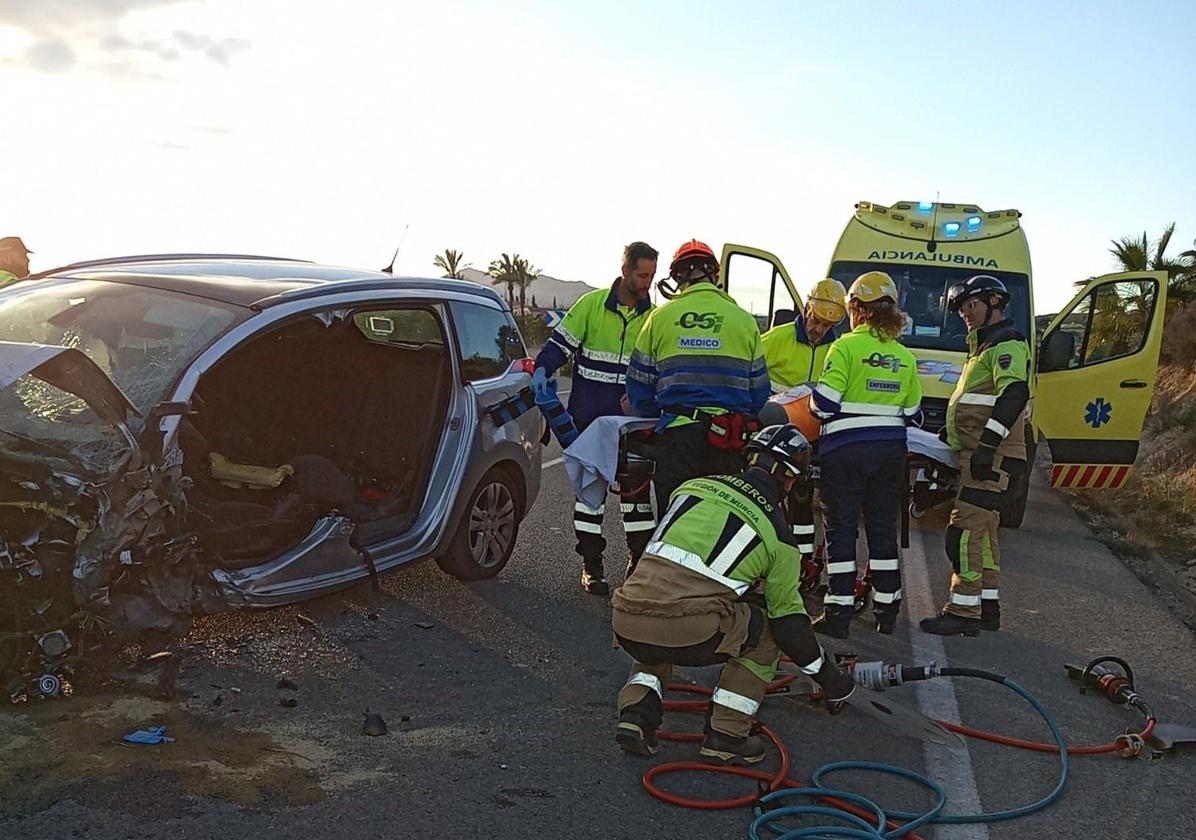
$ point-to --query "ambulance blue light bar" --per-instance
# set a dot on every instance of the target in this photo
(925, 206)
(951, 228)
(973, 224)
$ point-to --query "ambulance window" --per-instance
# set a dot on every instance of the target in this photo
(756, 286)
(1120, 319)
(1076, 324)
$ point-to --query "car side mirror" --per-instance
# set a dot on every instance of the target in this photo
(783, 316)
(1056, 351)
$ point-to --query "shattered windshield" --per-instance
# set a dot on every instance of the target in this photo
(141, 338)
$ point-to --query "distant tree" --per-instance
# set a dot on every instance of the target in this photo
(503, 271)
(554, 306)
(525, 273)
(452, 263)
(533, 301)
(1138, 254)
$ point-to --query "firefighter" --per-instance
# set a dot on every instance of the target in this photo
(698, 366)
(14, 260)
(986, 428)
(599, 333)
(795, 354)
(866, 396)
(718, 584)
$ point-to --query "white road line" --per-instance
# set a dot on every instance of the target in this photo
(552, 463)
(936, 699)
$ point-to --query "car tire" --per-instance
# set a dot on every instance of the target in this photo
(486, 537)
(1013, 500)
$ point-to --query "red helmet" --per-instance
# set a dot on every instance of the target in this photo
(693, 248)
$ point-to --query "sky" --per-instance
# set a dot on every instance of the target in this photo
(337, 132)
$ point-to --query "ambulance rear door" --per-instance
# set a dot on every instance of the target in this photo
(759, 283)
(1096, 373)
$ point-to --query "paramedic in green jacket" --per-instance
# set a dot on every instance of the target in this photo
(599, 334)
(718, 585)
(14, 260)
(986, 428)
(866, 396)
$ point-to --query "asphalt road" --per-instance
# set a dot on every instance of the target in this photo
(499, 697)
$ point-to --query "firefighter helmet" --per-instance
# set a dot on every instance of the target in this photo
(981, 284)
(828, 301)
(691, 255)
(872, 286)
(780, 448)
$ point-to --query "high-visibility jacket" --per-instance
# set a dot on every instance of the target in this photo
(600, 334)
(720, 536)
(698, 351)
(868, 390)
(792, 358)
(990, 397)
(6, 277)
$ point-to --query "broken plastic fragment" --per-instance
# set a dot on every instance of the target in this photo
(374, 724)
(153, 735)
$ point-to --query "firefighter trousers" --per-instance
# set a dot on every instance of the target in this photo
(639, 521)
(973, 545)
(865, 477)
(741, 642)
(685, 452)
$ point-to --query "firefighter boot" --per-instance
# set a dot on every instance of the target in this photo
(949, 624)
(720, 748)
(636, 732)
(990, 614)
(835, 622)
(593, 578)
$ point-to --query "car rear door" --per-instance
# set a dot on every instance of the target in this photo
(1095, 378)
(759, 283)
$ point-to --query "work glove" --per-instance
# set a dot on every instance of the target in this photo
(540, 383)
(943, 434)
(982, 464)
(836, 685)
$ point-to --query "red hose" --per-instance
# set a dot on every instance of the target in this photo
(1040, 747)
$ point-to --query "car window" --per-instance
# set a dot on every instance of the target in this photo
(1110, 322)
(409, 328)
(490, 341)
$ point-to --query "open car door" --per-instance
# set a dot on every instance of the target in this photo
(759, 283)
(1095, 379)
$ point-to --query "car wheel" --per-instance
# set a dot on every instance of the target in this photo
(486, 537)
(1013, 500)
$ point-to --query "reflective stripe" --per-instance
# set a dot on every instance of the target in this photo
(805, 548)
(843, 567)
(884, 565)
(814, 667)
(672, 511)
(694, 563)
(829, 392)
(583, 372)
(650, 680)
(965, 600)
(570, 339)
(886, 597)
(840, 600)
(978, 399)
(602, 356)
(731, 554)
(912, 410)
(871, 408)
(802, 530)
(735, 701)
(586, 527)
(990, 594)
(631, 526)
(862, 423)
(582, 507)
(994, 426)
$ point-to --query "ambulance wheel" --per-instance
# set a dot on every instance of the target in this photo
(486, 536)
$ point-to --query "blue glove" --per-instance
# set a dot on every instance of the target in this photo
(153, 735)
(540, 383)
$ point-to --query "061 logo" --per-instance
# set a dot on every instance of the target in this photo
(702, 321)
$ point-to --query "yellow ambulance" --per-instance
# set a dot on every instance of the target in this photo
(1094, 363)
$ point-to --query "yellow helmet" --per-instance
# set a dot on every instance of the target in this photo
(828, 301)
(873, 286)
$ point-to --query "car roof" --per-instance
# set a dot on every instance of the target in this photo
(252, 281)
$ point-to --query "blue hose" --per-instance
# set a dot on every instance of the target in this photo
(766, 823)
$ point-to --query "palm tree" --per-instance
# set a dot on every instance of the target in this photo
(452, 263)
(504, 270)
(525, 273)
(1185, 284)
(1137, 254)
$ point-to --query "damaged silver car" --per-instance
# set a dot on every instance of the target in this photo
(185, 434)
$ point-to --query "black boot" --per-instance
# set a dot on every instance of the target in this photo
(949, 624)
(835, 622)
(593, 577)
(719, 748)
(636, 732)
(990, 614)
